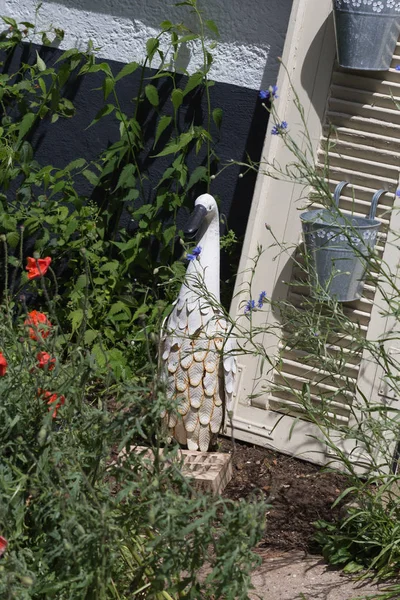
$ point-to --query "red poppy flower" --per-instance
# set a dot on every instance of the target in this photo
(40, 325)
(51, 400)
(45, 360)
(37, 267)
(3, 365)
(3, 545)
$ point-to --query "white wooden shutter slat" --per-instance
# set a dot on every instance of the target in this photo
(391, 75)
(356, 160)
(343, 78)
(359, 177)
(368, 125)
(365, 98)
(355, 315)
(298, 365)
(318, 388)
(292, 408)
(362, 165)
(347, 145)
(348, 358)
(370, 111)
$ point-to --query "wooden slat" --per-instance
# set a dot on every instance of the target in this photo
(361, 145)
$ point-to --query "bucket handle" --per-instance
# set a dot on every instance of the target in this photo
(374, 203)
(338, 190)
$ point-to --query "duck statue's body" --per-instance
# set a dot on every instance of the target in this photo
(197, 355)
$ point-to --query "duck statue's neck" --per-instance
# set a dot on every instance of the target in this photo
(207, 264)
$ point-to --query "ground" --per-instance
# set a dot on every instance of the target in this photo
(298, 492)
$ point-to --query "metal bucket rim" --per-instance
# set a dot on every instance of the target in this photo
(365, 222)
(368, 14)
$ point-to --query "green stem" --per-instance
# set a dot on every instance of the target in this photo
(208, 99)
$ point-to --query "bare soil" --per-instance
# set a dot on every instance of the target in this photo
(297, 492)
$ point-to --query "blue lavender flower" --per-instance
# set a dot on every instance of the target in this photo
(279, 128)
(249, 306)
(195, 253)
(261, 299)
(398, 192)
(397, 67)
(270, 94)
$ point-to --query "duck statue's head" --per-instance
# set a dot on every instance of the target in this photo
(205, 211)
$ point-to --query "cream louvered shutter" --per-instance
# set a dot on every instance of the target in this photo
(367, 154)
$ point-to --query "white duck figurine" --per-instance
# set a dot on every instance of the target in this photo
(197, 357)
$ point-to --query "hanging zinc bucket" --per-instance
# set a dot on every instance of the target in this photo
(366, 32)
(336, 246)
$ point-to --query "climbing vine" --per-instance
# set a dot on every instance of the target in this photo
(116, 234)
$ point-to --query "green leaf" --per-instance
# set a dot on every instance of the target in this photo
(177, 98)
(127, 177)
(10, 21)
(12, 239)
(188, 38)
(151, 47)
(103, 112)
(108, 86)
(75, 164)
(99, 355)
(212, 27)
(353, 567)
(127, 70)
(41, 65)
(199, 174)
(81, 282)
(217, 117)
(182, 142)
(68, 54)
(169, 234)
(119, 307)
(110, 267)
(46, 41)
(166, 25)
(104, 67)
(76, 318)
(140, 311)
(25, 125)
(91, 177)
(161, 127)
(90, 336)
(152, 95)
(194, 80)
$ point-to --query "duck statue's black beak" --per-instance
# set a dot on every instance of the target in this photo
(195, 220)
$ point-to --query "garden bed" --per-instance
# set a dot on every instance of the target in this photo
(298, 492)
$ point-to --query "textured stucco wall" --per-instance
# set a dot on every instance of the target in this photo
(252, 31)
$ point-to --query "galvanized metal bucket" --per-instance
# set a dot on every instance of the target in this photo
(337, 245)
(366, 32)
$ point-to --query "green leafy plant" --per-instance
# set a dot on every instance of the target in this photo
(84, 509)
(85, 233)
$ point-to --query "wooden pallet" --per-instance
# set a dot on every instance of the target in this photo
(210, 471)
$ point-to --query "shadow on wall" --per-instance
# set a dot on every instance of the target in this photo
(246, 25)
(314, 63)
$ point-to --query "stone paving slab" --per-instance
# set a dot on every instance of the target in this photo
(287, 576)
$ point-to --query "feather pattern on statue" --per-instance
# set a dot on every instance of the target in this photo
(197, 358)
